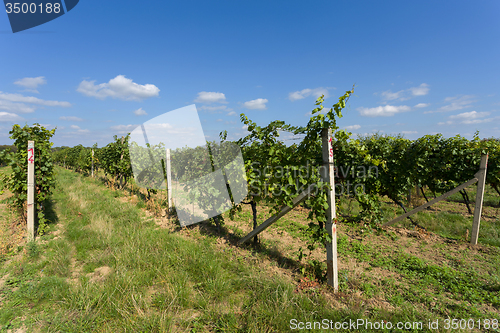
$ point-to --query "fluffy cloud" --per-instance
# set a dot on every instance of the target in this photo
(409, 132)
(468, 118)
(256, 104)
(449, 122)
(471, 117)
(422, 105)
(6, 116)
(406, 94)
(119, 87)
(31, 83)
(457, 103)
(16, 107)
(352, 127)
(70, 118)
(210, 97)
(18, 98)
(79, 129)
(316, 92)
(383, 111)
(421, 90)
(140, 112)
(232, 113)
(17, 103)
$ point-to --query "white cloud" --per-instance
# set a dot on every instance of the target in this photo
(422, 105)
(256, 104)
(409, 132)
(213, 109)
(219, 120)
(17, 103)
(316, 92)
(232, 113)
(468, 118)
(457, 103)
(389, 96)
(477, 121)
(210, 97)
(79, 130)
(352, 127)
(31, 83)
(245, 127)
(16, 107)
(470, 115)
(383, 111)
(119, 87)
(6, 116)
(18, 98)
(71, 118)
(140, 112)
(421, 90)
(406, 94)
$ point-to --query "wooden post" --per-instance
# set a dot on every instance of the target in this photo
(31, 191)
(481, 179)
(92, 163)
(169, 181)
(327, 175)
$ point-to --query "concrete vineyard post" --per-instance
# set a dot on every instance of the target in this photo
(31, 191)
(481, 179)
(92, 163)
(169, 181)
(327, 175)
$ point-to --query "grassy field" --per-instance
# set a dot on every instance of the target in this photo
(113, 262)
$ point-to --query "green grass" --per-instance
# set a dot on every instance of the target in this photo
(163, 281)
(159, 281)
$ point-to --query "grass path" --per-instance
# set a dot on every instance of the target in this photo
(105, 268)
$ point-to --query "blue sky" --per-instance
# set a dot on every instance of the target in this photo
(420, 67)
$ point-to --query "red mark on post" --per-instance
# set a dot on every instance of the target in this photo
(31, 158)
